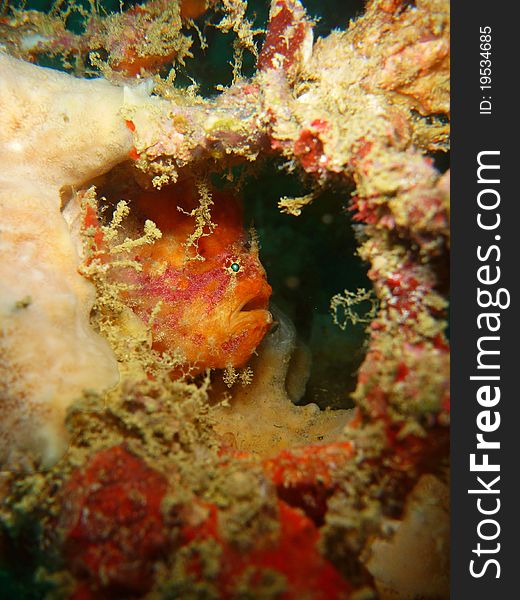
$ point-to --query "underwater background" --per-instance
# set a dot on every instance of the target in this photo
(308, 259)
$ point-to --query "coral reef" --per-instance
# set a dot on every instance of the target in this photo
(173, 487)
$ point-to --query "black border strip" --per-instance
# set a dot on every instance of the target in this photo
(475, 132)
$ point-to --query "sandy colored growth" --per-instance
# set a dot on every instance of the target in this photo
(56, 131)
(261, 417)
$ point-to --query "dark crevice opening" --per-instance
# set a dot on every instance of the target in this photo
(308, 260)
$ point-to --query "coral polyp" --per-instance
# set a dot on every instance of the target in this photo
(158, 438)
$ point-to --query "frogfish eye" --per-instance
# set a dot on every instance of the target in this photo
(233, 266)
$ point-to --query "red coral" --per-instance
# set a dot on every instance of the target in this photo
(304, 477)
(308, 148)
(293, 554)
(286, 32)
(113, 523)
(114, 530)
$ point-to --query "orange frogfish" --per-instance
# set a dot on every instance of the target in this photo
(208, 300)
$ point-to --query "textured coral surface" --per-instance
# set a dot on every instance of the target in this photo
(185, 483)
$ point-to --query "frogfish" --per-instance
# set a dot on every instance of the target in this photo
(206, 300)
